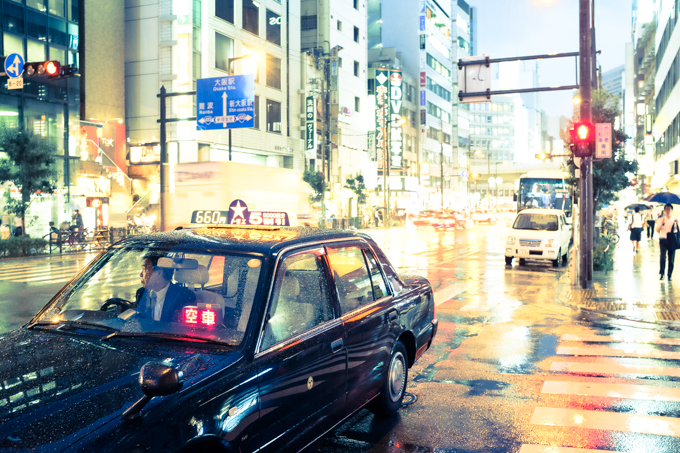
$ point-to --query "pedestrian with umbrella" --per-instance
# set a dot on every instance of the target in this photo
(666, 226)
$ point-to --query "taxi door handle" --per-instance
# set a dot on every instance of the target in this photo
(392, 316)
(337, 345)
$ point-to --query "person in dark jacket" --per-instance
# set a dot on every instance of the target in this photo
(158, 298)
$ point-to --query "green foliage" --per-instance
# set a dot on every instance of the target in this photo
(603, 257)
(22, 246)
(610, 176)
(356, 185)
(318, 184)
(28, 165)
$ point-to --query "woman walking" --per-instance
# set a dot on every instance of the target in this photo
(663, 227)
(635, 228)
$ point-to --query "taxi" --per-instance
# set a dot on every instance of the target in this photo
(215, 339)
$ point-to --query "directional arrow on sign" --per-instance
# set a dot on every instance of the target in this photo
(224, 108)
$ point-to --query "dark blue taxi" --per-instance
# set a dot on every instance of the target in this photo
(214, 340)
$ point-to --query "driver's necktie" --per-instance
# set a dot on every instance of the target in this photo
(153, 300)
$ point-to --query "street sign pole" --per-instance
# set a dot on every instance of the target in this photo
(164, 159)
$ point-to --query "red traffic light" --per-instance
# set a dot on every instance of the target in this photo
(52, 68)
(633, 182)
(583, 139)
(48, 68)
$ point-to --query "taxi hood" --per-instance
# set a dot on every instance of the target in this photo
(55, 388)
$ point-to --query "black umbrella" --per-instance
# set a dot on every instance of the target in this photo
(640, 206)
(664, 197)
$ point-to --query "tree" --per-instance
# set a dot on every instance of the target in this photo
(610, 176)
(28, 165)
(356, 185)
(317, 182)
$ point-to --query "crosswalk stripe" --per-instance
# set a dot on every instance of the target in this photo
(612, 368)
(653, 339)
(38, 270)
(526, 448)
(609, 421)
(613, 352)
(609, 390)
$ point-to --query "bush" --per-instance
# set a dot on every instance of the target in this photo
(22, 246)
(603, 257)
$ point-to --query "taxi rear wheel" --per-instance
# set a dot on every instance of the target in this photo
(394, 383)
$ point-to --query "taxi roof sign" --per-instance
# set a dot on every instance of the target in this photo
(239, 214)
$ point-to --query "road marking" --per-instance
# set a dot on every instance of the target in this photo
(609, 421)
(612, 368)
(550, 449)
(613, 352)
(609, 390)
(448, 292)
(654, 339)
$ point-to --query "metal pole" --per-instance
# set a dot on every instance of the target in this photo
(164, 159)
(386, 174)
(488, 171)
(591, 201)
(469, 169)
(441, 158)
(584, 69)
(67, 162)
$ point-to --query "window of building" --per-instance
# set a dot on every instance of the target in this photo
(224, 50)
(339, 62)
(35, 50)
(447, 138)
(36, 25)
(339, 26)
(58, 34)
(273, 72)
(433, 133)
(256, 114)
(250, 66)
(251, 13)
(13, 44)
(73, 36)
(40, 5)
(437, 66)
(57, 7)
(414, 119)
(438, 89)
(224, 9)
(308, 22)
(58, 54)
(356, 34)
(73, 10)
(273, 116)
(273, 28)
(356, 68)
(357, 104)
(13, 19)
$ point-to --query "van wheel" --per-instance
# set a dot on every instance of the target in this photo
(508, 260)
(522, 261)
(394, 384)
(565, 257)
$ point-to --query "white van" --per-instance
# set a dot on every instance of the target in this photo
(539, 234)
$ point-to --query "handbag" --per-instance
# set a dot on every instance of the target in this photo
(673, 237)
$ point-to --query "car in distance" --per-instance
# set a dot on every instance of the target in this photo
(539, 234)
(265, 340)
(483, 216)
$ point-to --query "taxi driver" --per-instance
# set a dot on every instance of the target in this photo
(158, 298)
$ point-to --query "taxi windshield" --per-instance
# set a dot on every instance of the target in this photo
(184, 294)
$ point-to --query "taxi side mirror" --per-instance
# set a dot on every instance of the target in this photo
(514, 196)
(156, 379)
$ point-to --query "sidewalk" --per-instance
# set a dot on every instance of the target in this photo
(632, 290)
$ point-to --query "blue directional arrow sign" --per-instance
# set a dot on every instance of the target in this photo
(14, 65)
(225, 102)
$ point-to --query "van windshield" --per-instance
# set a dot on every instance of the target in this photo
(538, 222)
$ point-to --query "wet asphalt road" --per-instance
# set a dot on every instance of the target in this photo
(512, 369)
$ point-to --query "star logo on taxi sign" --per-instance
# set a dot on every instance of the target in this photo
(238, 210)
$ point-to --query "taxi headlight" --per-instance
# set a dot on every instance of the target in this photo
(511, 241)
(549, 242)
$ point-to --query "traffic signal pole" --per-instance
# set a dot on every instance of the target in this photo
(585, 240)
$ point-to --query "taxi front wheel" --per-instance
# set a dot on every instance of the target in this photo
(394, 383)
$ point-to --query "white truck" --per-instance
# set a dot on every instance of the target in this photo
(212, 186)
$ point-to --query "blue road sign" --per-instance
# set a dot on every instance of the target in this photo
(14, 65)
(225, 102)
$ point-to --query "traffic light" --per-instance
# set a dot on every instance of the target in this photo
(48, 68)
(582, 139)
(633, 182)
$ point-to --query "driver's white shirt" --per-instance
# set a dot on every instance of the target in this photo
(160, 298)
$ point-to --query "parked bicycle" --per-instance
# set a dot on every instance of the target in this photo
(609, 233)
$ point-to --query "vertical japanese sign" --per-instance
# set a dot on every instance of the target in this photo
(603, 140)
(310, 127)
(396, 139)
(382, 106)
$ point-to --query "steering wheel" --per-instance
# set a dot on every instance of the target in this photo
(122, 303)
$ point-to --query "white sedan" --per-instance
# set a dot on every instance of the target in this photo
(539, 234)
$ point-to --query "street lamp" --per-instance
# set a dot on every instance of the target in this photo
(253, 58)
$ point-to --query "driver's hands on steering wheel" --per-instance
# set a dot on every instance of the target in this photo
(119, 302)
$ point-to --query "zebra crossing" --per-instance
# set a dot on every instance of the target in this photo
(57, 271)
(592, 374)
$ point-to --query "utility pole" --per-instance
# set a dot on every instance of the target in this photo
(585, 68)
(488, 170)
(591, 210)
(469, 170)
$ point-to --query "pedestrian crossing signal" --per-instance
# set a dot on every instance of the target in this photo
(582, 139)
